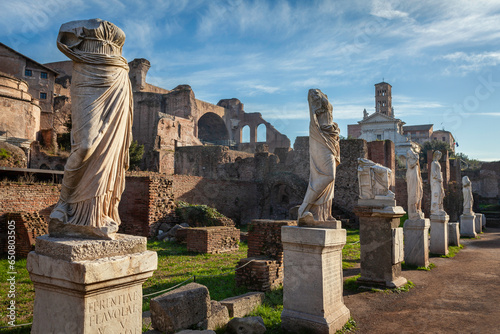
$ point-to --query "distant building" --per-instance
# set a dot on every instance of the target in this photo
(382, 125)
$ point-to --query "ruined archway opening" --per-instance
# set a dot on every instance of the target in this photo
(212, 130)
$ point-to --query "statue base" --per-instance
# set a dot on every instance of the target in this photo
(416, 242)
(58, 229)
(439, 234)
(467, 226)
(453, 234)
(478, 223)
(89, 286)
(313, 284)
(381, 241)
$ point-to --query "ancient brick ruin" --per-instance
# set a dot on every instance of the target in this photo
(213, 239)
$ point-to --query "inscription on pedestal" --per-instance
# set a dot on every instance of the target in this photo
(116, 308)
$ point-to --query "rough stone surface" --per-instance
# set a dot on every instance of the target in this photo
(376, 245)
(73, 249)
(439, 234)
(312, 287)
(483, 220)
(240, 306)
(192, 331)
(213, 239)
(416, 242)
(467, 226)
(218, 316)
(250, 325)
(454, 234)
(103, 295)
(180, 308)
(478, 223)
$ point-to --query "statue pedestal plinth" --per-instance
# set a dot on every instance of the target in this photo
(312, 287)
(381, 241)
(478, 223)
(416, 242)
(467, 226)
(439, 234)
(453, 234)
(89, 286)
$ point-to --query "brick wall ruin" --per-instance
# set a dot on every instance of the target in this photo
(213, 239)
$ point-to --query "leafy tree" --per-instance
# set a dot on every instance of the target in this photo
(136, 152)
(468, 163)
(433, 146)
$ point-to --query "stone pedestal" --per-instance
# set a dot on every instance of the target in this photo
(439, 234)
(89, 286)
(483, 220)
(312, 287)
(381, 242)
(467, 226)
(416, 242)
(478, 223)
(453, 234)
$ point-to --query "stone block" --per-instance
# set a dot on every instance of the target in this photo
(478, 223)
(454, 234)
(312, 287)
(95, 295)
(254, 325)
(483, 220)
(259, 274)
(467, 226)
(213, 239)
(416, 242)
(180, 308)
(218, 316)
(376, 244)
(240, 306)
(397, 245)
(439, 234)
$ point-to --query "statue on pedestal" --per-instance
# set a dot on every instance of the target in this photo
(324, 156)
(374, 180)
(468, 198)
(414, 185)
(101, 113)
(437, 189)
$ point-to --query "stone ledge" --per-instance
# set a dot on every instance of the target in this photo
(313, 236)
(77, 249)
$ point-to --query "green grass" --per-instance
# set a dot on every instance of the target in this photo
(403, 219)
(413, 267)
(4, 154)
(351, 284)
(351, 251)
(270, 311)
(452, 251)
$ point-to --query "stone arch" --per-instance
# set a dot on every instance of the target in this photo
(245, 134)
(261, 133)
(212, 129)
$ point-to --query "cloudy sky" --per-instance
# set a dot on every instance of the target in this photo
(441, 57)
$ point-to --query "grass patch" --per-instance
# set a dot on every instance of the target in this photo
(351, 284)
(413, 267)
(351, 251)
(403, 219)
(349, 327)
(270, 311)
(452, 251)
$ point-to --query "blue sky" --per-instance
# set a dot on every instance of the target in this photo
(441, 57)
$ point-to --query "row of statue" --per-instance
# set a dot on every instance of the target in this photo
(94, 175)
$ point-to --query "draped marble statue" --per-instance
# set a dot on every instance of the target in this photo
(374, 180)
(94, 175)
(324, 156)
(468, 199)
(414, 185)
(437, 189)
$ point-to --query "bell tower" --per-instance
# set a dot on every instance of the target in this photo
(383, 99)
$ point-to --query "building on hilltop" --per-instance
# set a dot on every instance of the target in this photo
(382, 125)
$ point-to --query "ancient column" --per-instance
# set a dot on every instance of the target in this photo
(380, 236)
(87, 277)
(416, 228)
(467, 219)
(439, 218)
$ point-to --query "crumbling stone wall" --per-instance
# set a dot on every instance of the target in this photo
(28, 226)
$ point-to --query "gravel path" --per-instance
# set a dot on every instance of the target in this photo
(460, 295)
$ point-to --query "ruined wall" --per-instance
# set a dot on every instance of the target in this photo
(383, 152)
(213, 239)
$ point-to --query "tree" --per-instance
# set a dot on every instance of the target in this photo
(433, 146)
(136, 152)
(468, 163)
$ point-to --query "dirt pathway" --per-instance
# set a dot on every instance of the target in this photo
(460, 295)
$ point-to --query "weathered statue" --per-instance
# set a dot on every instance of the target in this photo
(414, 185)
(324, 156)
(94, 175)
(468, 199)
(374, 180)
(437, 189)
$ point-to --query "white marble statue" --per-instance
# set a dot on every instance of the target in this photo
(94, 175)
(437, 189)
(414, 185)
(374, 180)
(468, 199)
(324, 156)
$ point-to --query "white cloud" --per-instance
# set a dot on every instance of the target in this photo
(463, 63)
(384, 9)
